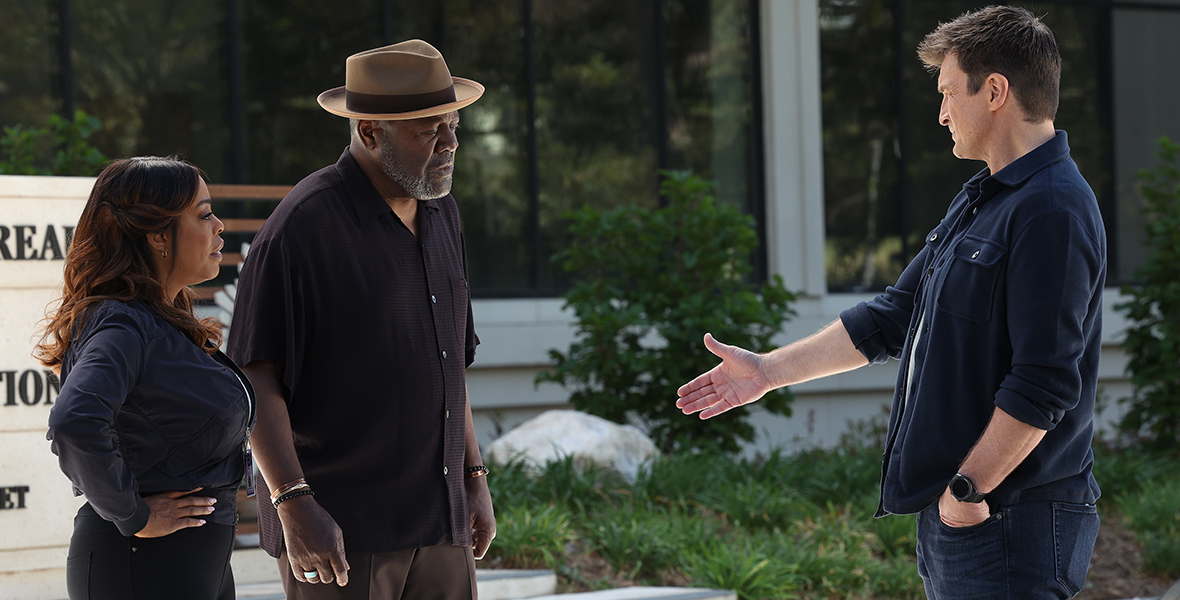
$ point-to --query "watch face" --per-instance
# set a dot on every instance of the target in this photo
(960, 487)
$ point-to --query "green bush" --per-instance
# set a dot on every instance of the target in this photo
(753, 569)
(57, 149)
(649, 284)
(635, 543)
(1153, 312)
(782, 526)
(530, 536)
(1154, 515)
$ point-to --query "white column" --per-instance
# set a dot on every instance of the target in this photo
(793, 143)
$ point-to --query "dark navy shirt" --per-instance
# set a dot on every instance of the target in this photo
(1001, 308)
(373, 329)
(144, 410)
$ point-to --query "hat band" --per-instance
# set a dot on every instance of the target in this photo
(378, 104)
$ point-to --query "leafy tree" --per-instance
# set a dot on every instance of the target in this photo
(649, 284)
(1153, 311)
(25, 148)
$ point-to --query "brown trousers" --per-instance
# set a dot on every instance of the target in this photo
(442, 572)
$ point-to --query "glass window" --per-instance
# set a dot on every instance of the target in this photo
(889, 174)
(291, 52)
(1145, 93)
(152, 72)
(617, 90)
(30, 85)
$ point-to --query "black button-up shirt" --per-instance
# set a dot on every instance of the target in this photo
(373, 329)
(1001, 308)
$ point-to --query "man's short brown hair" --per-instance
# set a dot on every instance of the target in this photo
(1007, 40)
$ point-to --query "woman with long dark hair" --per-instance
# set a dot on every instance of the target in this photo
(152, 423)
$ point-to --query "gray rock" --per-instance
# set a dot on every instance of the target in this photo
(555, 434)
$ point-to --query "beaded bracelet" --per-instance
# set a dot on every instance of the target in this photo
(289, 495)
(478, 471)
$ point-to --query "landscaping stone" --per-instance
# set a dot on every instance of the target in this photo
(556, 434)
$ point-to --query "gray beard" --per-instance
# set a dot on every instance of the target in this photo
(417, 186)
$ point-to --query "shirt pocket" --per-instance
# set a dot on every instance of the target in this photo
(459, 301)
(969, 287)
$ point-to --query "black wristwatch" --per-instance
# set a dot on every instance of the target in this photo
(963, 489)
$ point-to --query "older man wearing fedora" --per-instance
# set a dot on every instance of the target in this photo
(354, 324)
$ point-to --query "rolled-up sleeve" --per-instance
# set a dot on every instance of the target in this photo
(81, 423)
(1054, 275)
(878, 328)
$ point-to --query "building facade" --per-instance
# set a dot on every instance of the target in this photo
(814, 116)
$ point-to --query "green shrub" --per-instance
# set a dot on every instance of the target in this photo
(718, 520)
(634, 543)
(896, 535)
(753, 569)
(1154, 515)
(1126, 471)
(57, 149)
(579, 487)
(755, 505)
(1153, 312)
(895, 578)
(528, 536)
(649, 284)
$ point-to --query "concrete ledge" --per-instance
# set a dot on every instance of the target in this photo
(647, 593)
(256, 577)
(508, 584)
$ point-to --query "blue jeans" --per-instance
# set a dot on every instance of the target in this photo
(1024, 551)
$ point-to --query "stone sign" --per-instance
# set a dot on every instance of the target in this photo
(37, 220)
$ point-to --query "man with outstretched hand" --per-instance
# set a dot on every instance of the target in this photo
(997, 324)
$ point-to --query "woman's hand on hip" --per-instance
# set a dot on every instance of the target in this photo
(173, 511)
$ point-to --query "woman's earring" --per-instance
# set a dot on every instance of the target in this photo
(164, 254)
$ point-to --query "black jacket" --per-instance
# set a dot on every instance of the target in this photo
(143, 410)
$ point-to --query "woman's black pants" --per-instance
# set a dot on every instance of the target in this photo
(191, 564)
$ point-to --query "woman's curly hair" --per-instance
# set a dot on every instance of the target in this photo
(110, 259)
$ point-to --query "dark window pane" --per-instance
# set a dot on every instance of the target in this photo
(29, 84)
(712, 128)
(485, 42)
(232, 85)
(858, 72)
(864, 52)
(1146, 89)
(594, 113)
(154, 74)
(292, 51)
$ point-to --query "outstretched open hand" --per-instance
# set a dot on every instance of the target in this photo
(738, 380)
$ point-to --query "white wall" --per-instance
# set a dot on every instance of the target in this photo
(33, 537)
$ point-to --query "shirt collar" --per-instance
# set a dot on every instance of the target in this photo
(1030, 164)
(983, 185)
(367, 203)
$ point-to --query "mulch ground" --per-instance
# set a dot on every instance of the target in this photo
(1114, 568)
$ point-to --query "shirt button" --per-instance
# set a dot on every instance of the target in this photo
(934, 237)
(433, 299)
(975, 210)
(444, 470)
(976, 255)
(447, 414)
(444, 354)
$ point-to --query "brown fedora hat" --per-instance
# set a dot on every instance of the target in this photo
(408, 80)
